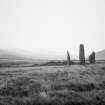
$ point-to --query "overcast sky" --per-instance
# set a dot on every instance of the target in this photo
(52, 25)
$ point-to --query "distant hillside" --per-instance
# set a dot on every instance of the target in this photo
(4, 54)
(100, 55)
(18, 56)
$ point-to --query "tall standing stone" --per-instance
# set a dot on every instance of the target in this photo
(92, 58)
(68, 58)
(81, 54)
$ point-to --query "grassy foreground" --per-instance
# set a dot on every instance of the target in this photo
(53, 85)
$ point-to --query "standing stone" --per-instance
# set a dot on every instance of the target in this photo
(68, 58)
(92, 58)
(81, 54)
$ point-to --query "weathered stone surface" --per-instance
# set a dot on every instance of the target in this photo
(92, 58)
(68, 58)
(81, 54)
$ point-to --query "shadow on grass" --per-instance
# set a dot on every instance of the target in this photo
(54, 101)
(75, 87)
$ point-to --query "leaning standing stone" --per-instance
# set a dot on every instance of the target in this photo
(92, 58)
(68, 58)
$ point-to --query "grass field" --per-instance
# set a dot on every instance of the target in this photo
(53, 85)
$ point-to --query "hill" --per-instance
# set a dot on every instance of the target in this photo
(4, 54)
(100, 55)
(16, 58)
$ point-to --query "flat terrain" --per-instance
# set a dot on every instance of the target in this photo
(53, 85)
